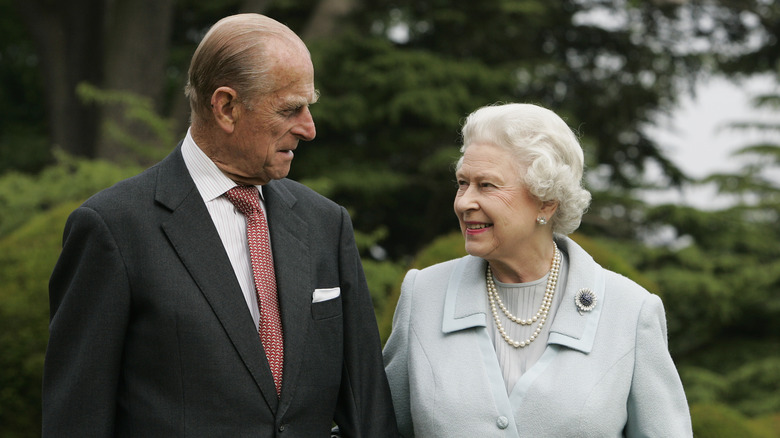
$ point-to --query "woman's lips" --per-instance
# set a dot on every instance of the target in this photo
(477, 227)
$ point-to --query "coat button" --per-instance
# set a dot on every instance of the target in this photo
(502, 422)
(282, 428)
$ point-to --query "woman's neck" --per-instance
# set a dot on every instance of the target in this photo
(533, 262)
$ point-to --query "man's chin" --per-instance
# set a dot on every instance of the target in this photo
(244, 180)
(260, 178)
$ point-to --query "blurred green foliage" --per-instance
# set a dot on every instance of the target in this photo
(24, 195)
(133, 109)
(27, 256)
(719, 421)
(33, 210)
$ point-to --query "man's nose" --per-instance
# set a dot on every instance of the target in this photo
(305, 129)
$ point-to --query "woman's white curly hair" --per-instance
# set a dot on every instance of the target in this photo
(548, 155)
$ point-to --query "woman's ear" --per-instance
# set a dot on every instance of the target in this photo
(548, 208)
(225, 108)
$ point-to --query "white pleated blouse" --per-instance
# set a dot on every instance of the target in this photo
(523, 300)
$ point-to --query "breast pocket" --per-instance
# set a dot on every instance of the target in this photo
(326, 309)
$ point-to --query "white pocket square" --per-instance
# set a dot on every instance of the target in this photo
(325, 294)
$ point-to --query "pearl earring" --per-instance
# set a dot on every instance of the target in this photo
(541, 220)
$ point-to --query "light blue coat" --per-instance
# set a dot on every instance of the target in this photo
(605, 373)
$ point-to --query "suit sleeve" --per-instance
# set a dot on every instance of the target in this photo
(396, 356)
(89, 301)
(365, 407)
(656, 405)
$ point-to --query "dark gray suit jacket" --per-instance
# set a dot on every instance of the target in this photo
(150, 335)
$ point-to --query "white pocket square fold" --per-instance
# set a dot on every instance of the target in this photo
(320, 295)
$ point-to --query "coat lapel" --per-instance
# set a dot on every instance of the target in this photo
(570, 328)
(289, 237)
(196, 241)
(465, 307)
(464, 304)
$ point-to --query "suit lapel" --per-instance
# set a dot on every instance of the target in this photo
(289, 237)
(195, 239)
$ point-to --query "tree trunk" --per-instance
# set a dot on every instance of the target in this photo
(256, 6)
(324, 21)
(136, 55)
(68, 36)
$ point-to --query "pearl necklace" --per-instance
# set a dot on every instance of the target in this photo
(541, 314)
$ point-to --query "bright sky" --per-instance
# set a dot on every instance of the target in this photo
(695, 136)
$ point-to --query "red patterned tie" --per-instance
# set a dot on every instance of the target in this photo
(246, 199)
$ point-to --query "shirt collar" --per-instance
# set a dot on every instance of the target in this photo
(209, 180)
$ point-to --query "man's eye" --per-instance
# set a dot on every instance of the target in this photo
(486, 185)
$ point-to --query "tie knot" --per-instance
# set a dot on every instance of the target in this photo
(245, 198)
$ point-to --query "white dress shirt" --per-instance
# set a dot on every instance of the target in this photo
(231, 223)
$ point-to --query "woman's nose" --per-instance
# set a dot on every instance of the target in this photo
(465, 200)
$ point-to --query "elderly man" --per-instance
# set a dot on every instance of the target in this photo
(210, 296)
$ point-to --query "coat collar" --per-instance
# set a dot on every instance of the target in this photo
(465, 305)
(571, 328)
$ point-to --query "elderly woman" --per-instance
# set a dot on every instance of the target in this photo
(527, 335)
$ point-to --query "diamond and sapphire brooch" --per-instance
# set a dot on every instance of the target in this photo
(585, 300)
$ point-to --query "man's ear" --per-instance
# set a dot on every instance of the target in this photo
(225, 108)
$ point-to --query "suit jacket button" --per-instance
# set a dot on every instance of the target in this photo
(282, 427)
(502, 422)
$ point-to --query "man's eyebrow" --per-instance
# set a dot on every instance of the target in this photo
(299, 101)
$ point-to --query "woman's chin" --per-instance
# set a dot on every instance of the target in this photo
(475, 250)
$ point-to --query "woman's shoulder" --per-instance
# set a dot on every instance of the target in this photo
(434, 279)
(444, 268)
(625, 287)
(626, 297)
(617, 285)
